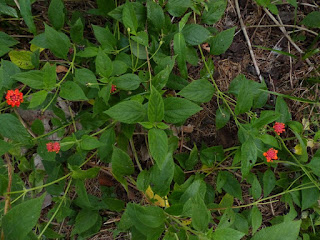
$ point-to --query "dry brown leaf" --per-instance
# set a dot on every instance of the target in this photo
(187, 129)
(61, 69)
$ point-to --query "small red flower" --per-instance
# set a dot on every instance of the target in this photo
(113, 88)
(279, 128)
(14, 97)
(53, 147)
(271, 155)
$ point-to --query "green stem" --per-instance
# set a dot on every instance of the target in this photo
(135, 154)
(103, 129)
(160, 44)
(53, 131)
(64, 77)
(300, 165)
(56, 211)
(42, 186)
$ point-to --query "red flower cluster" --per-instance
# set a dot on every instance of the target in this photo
(53, 147)
(279, 128)
(271, 155)
(113, 88)
(14, 97)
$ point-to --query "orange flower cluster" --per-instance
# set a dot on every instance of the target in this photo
(271, 155)
(14, 97)
(279, 128)
(53, 147)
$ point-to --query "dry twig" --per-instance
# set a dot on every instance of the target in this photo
(243, 28)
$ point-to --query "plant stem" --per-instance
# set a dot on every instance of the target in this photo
(56, 211)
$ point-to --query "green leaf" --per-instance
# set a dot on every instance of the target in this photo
(180, 50)
(222, 117)
(195, 34)
(198, 91)
(287, 230)
(49, 76)
(85, 220)
(37, 127)
(315, 165)
(151, 216)
(121, 164)
(4, 50)
(256, 188)
(104, 37)
(138, 50)
(227, 233)
(127, 112)
(222, 41)
(6, 10)
(22, 59)
(178, 7)
(4, 147)
(104, 65)
(85, 174)
(89, 143)
(127, 82)
(119, 68)
(76, 31)
(88, 52)
(21, 219)
(10, 127)
(178, 109)
(192, 159)
(38, 98)
(56, 14)
(244, 99)
(248, 156)
(214, 12)
(161, 79)
(209, 156)
(200, 214)
(33, 78)
(293, 2)
(155, 15)
(7, 40)
(269, 140)
(312, 20)
(129, 17)
(265, 118)
(158, 145)
(282, 108)
(184, 21)
(72, 91)
(231, 184)
(227, 219)
(25, 10)
(155, 106)
(84, 76)
(160, 180)
(256, 219)
(58, 42)
(141, 38)
(309, 196)
(107, 139)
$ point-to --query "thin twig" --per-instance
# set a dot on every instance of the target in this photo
(243, 28)
(284, 25)
(17, 3)
(290, 73)
(24, 124)
(284, 31)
